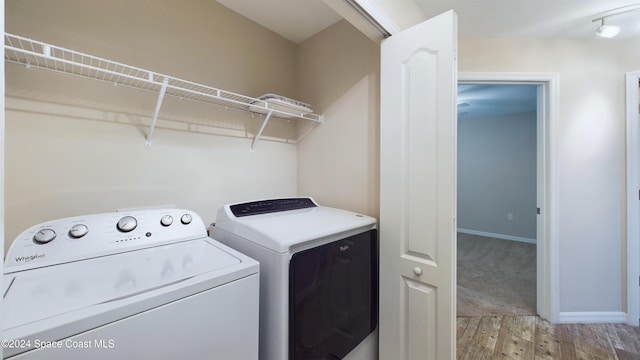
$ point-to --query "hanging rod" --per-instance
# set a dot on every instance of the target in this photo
(368, 18)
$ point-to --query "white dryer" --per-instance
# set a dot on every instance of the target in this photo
(139, 284)
(318, 276)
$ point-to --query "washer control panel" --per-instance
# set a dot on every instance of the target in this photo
(82, 237)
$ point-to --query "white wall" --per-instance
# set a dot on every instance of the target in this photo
(76, 146)
(497, 175)
(590, 155)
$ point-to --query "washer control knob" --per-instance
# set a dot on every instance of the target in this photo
(127, 224)
(44, 236)
(186, 219)
(78, 231)
(166, 220)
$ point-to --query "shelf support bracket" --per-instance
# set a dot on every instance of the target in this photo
(264, 124)
(163, 89)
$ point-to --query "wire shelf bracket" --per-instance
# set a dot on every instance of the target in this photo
(259, 133)
(36, 54)
(163, 90)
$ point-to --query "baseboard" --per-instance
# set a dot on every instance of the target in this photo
(592, 317)
(498, 236)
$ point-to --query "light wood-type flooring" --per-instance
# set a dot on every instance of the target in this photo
(530, 337)
(496, 311)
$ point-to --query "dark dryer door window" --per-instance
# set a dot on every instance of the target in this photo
(333, 297)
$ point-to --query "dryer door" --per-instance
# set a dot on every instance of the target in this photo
(333, 297)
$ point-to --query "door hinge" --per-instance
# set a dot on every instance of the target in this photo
(538, 209)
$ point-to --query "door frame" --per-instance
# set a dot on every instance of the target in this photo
(548, 263)
(633, 208)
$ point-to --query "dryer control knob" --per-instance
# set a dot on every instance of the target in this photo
(186, 219)
(166, 220)
(44, 236)
(78, 231)
(127, 224)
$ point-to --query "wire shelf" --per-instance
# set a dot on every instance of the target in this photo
(36, 54)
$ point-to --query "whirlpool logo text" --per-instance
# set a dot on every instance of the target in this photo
(29, 258)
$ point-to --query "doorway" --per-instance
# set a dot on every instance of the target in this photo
(496, 216)
(547, 262)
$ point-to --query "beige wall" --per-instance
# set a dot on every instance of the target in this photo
(338, 161)
(590, 155)
(76, 146)
(197, 40)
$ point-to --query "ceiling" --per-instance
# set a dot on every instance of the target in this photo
(534, 18)
(484, 100)
(297, 20)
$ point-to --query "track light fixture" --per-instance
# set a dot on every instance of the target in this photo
(609, 31)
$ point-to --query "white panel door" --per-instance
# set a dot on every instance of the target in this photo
(418, 191)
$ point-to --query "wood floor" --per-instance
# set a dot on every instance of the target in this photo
(496, 309)
(530, 337)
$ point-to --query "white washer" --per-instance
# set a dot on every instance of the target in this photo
(318, 276)
(139, 284)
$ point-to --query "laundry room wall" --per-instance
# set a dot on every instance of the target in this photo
(590, 157)
(76, 146)
(338, 162)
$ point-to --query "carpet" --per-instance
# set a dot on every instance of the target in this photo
(495, 277)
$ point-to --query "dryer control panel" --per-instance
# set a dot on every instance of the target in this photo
(271, 206)
(83, 237)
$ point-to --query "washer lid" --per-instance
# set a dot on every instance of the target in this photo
(281, 230)
(46, 292)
